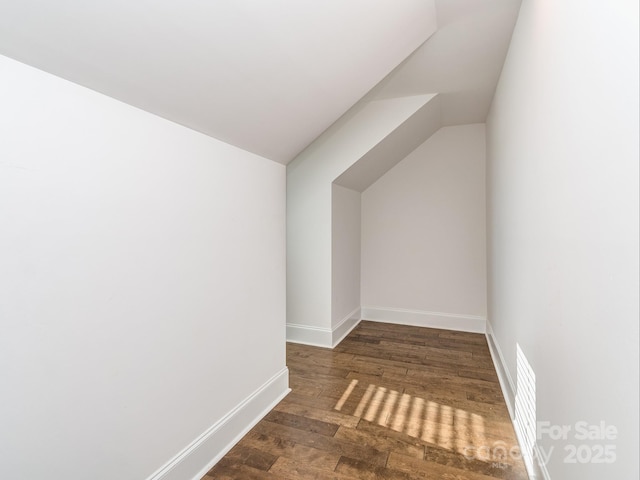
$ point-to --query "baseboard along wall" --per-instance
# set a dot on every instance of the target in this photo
(205, 451)
(329, 338)
(344, 327)
(419, 318)
(323, 337)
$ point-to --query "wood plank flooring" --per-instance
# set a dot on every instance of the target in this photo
(390, 402)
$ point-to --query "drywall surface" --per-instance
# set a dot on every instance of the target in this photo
(395, 146)
(345, 254)
(563, 215)
(268, 77)
(142, 276)
(423, 229)
(309, 188)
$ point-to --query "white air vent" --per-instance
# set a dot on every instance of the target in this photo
(525, 408)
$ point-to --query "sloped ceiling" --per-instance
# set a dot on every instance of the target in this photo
(457, 68)
(402, 140)
(266, 76)
(462, 61)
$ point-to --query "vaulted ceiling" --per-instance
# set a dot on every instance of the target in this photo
(266, 76)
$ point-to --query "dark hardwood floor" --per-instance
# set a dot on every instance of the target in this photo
(389, 402)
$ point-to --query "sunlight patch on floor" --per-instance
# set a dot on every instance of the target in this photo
(454, 429)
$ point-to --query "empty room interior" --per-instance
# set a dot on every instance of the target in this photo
(319, 239)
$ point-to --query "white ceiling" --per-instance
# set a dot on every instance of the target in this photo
(267, 76)
(462, 61)
(414, 129)
(455, 71)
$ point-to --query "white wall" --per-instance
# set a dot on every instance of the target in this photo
(423, 235)
(309, 190)
(142, 279)
(345, 256)
(563, 220)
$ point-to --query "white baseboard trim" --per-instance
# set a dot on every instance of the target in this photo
(345, 326)
(323, 337)
(419, 318)
(539, 470)
(308, 335)
(507, 384)
(205, 451)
